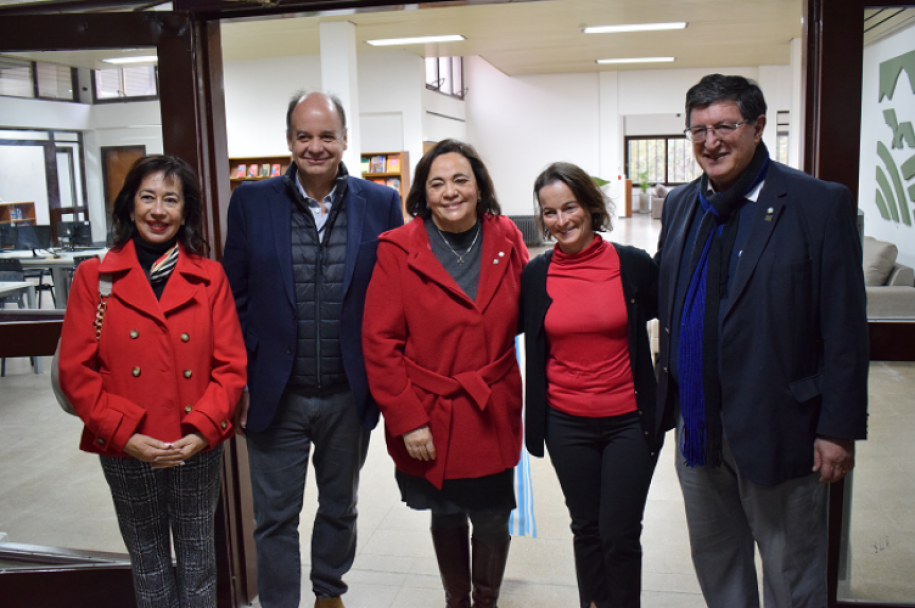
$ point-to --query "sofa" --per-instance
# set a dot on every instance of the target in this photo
(658, 194)
(890, 285)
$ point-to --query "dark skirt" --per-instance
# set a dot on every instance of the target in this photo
(491, 493)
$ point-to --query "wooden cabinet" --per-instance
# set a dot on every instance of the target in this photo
(17, 213)
(389, 169)
(256, 168)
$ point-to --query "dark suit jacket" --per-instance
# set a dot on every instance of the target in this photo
(258, 262)
(793, 338)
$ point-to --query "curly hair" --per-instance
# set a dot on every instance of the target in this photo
(418, 206)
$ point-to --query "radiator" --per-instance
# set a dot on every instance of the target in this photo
(527, 224)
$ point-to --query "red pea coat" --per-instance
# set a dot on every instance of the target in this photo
(436, 357)
(162, 368)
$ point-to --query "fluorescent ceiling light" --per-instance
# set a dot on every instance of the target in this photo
(418, 40)
(143, 59)
(634, 27)
(637, 60)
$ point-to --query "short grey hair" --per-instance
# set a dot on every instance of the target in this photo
(301, 95)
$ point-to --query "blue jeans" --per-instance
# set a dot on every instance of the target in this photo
(278, 457)
(727, 514)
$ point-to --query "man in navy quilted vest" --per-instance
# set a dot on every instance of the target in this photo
(299, 254)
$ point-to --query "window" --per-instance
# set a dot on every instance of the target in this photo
(782, 126)
(131, 83)
(37, 79)
(445, 75)
(667, 159)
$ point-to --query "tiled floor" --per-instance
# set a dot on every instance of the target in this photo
(52, 494)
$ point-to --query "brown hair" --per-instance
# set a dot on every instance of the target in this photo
(583, 188)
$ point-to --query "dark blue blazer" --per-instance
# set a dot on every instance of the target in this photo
(793, 337)
(258, 263)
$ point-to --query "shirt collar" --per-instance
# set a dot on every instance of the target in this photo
(752, 195)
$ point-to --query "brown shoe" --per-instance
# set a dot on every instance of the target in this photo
(487, 571)
(329, 602)
(452, 549)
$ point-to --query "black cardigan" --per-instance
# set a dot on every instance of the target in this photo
(639, 275)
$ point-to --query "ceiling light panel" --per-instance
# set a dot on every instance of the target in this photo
(634, 27)
(637, 60)
(416, 40)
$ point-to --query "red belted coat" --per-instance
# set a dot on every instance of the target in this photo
(436, 357)
(163, 368)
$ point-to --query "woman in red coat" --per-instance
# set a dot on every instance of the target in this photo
(441, 317)
(156, 387)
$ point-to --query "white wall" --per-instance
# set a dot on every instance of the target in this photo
(520, 125)
(23, 179)
(257, 93)
(391, 84)
(444, 117)
(873, 130)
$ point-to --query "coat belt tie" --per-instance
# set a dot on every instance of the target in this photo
(476, 384)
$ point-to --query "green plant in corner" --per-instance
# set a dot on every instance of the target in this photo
(600, 182)
(643, 181)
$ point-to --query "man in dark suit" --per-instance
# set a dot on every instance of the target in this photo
(299, 254)
(764, 353)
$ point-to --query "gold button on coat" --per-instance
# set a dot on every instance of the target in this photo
(136, 372)
(134, 334)
(100, 441)
(185, 337)
(188, 373)
(187, 409)
(224, 424)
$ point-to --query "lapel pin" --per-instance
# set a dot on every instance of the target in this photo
(495, 261)
(501, 254)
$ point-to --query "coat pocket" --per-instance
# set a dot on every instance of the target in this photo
(806, 389)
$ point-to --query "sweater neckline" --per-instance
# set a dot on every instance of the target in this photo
(585, 255)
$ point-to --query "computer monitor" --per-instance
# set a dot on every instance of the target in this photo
(7, 236)
(71, 234)
(33, 237)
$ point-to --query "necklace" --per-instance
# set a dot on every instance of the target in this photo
(460, 256)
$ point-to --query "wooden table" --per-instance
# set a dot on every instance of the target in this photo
(58, 266)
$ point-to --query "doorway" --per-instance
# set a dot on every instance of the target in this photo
(116, 162)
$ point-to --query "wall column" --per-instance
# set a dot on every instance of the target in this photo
(339, 76)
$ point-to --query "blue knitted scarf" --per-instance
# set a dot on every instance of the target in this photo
(700, 384)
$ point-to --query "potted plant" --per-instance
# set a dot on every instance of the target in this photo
(645, 195)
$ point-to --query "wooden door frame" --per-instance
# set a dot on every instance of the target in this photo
(106, 195)
(193, 127)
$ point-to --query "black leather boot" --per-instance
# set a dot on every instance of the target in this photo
(487, 572)
(453, 553)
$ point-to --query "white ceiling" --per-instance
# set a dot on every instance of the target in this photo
(545, 36)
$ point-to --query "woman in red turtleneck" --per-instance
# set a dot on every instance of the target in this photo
(590, 382)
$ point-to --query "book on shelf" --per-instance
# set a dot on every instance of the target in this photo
(377, 164)
(252, 170)
(274, 169)
(393, 182)
(364, 162)
(241, 170)
(393, 164)
(265, 170)
(378, 180)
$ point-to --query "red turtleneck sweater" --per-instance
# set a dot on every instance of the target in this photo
(588, 371)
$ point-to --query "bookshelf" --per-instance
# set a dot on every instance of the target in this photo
(389, 169)
(258, 163)
(17, 213)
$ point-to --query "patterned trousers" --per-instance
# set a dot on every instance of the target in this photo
(148, 503)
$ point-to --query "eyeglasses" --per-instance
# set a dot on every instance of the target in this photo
(721, 131)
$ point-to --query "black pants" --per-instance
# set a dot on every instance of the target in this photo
(604, 466)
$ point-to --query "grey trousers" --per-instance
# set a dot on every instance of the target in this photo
(727, 513)
(278, 457)
(148, 503)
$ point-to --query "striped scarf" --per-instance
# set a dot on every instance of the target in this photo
(697, 356)
(163, 267)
